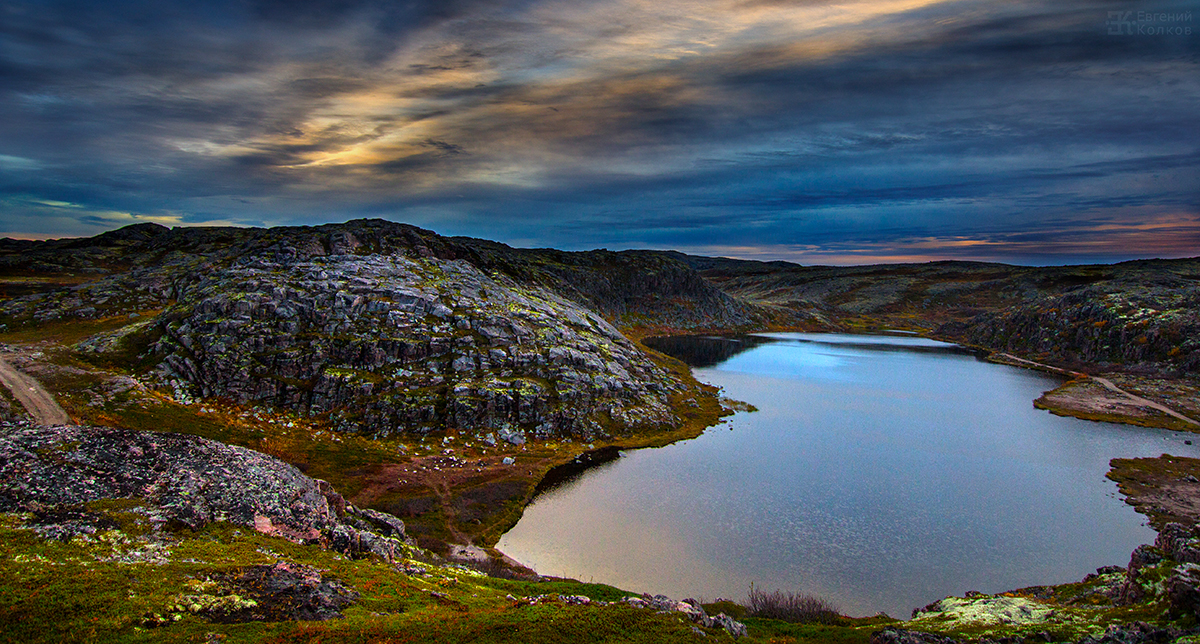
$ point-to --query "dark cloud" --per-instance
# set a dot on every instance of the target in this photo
(742, 123)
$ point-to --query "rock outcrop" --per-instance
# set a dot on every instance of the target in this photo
(383, 328)
(386, 344)
(53, 472)
(1133, 633)
(284, 591)
(1146, 318)
(690, 609)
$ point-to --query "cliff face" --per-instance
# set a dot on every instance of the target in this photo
(383, 327)
(1109, 325)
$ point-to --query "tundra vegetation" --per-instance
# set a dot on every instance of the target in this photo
(410, 392)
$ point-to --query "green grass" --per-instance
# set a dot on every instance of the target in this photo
(67, 592)
(1156, 419)
(67, 332)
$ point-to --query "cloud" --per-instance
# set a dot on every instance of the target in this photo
(622, 123)
(1163, 234)
(12, 163)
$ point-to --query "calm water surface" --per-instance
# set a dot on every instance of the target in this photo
(880, 472)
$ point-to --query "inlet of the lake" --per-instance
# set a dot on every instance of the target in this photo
(880, 472)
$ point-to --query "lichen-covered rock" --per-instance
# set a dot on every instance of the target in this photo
(286, 591)
(51, 471)
(1141, 316)
(691, 610)
(893, 635)
(278, 592)
(1183, 590)
(985, 610)
(1136, 633)
(1180, 542)
(381, 328)
(1133, 590)
(398, 344)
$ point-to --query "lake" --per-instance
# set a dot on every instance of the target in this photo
(881, 472)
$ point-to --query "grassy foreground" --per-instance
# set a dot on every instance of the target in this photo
(131, 585)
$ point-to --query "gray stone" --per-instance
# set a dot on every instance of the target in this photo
(182, 478)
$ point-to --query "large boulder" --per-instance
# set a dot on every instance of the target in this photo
(54, 471)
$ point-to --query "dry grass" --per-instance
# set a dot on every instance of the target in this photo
(792, 607)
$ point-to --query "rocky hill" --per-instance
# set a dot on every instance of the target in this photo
(631, 288)
(381, 327)
(1142, 316)
(386, 328)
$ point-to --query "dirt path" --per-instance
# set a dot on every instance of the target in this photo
(1146, 403)
(36, 400)
(1108, 384)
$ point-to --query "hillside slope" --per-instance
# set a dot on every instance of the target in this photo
(380, 327)
(1142, 316)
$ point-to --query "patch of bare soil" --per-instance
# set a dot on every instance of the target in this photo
(1182, 394)
(1165, 489)
(37, 401)
(1091, 400)
(469, 490)
(1098, 399)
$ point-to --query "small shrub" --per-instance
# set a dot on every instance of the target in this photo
(498, 570)
(792, 607)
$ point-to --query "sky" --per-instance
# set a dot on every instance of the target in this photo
(821, 132)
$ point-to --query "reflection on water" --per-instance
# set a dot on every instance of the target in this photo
(881, 472)
(704, 351)
(565, 475)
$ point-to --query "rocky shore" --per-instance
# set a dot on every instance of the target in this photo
(1162, 580)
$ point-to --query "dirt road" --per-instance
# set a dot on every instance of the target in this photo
(36, 400)
(1137, 400)
(1145, 403)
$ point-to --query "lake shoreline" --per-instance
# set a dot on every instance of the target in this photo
(578, 468)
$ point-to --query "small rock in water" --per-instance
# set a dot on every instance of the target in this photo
(508, 460)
